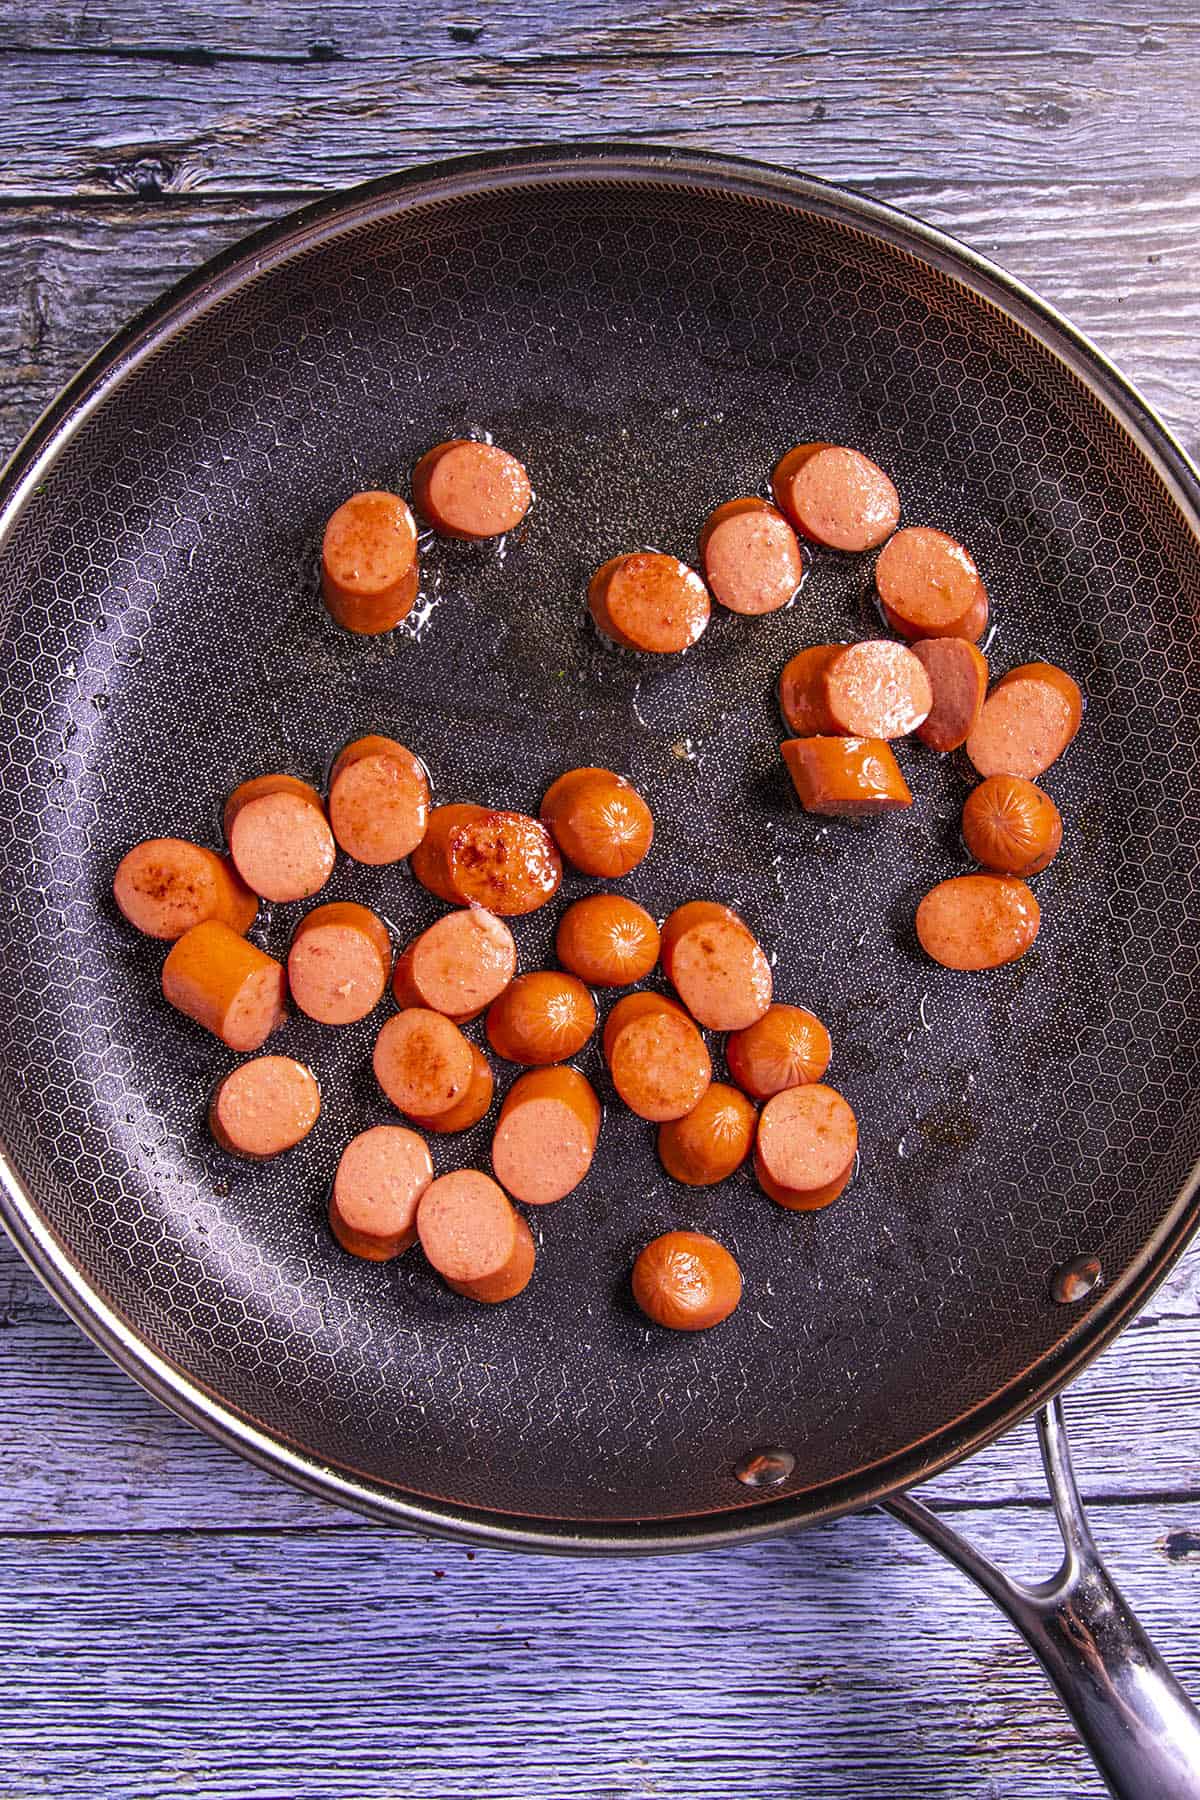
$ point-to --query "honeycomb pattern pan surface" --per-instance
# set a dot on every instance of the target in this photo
(647, 332)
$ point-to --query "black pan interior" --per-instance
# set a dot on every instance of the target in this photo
(648, 347)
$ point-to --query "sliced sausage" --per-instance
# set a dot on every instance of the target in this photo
(750, 558)
(542, 1017)
(339, 962)
(607, 940)
(928, 586)
(458, 966)
(1027, 721)
(264, 1107)
(658, 1061)
(467, 1226)
(877, 690)
(504, 861)
(958, 675)
(802, 691)
(686, 1281)
(166, 885)
(423, 1062)
(546, 1135)
(648, 601)
(378, 800)
(430, 861)
(806, 1145)
(845, 777)
(470, 1109)
(787, 1047)
(599, 822)
(511, 1280)
(708, 1144)
(279, 837)
(836, 497)
(231, 987)
(716, 965)
(1010, 826)
(369, 569)
(471, 490)
(978, 921)
(379, 1182)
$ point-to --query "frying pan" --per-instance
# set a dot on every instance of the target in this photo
(647, 330)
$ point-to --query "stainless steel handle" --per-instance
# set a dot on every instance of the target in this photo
(1137, 1723)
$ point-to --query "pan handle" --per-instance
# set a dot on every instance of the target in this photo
(1135, 1720)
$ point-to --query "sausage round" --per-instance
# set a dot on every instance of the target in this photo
(467, 1226)
(369, 569)
(686, 1281)
(716, 965)
(471, 490)
(648, 601)
(978, 921)
(458, 966)
(708, 1144)
(423, 1062)
(802, 691)
(378, 800)
(1010, 826)
(264, 1107)
(806, 1145)
(836, 497)
(958, 675)
(470, 1109)
(631, 1007)
(338, 963)
(750, 558)
(166, 885)
(607, 940)
(787, 1047)
(845, 777)
(657, 1059)
(542, 1017)
(504, 861)
(546, 1135)
(877, 689)
(511, 1280)
(231, 987)
(928, 586)
(379, 1182)
(1027, 721)
(430, 861)
(279, 837)
(599, 822)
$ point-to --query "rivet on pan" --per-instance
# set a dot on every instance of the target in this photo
(765, 1468)
(1073, 1281)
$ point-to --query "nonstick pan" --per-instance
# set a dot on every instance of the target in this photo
(647, 331)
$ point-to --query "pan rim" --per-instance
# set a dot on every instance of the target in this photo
(276, 244)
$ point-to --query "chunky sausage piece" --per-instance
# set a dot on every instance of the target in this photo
(599, 822)
(802, 691)
(750, 557)
(710, 1142)
(658, 1061)
(928, 586)
(511, 1280)
(379, 1182)
(877, 690)
(546, 1135)
(467, 1226)
(458, 966)
(648, 601)
(504, 861)
(978, 921)
(806, 1146)
(845, 777)
(470, 1109)
(369, 569)
(607, 940)
(543, 1017)
(430, 861)
(686, 1281)
(423, 1063)
(1027, 721)
(836, 497)
(338, 963)
(264, 1107)
(1010, 826)
(958, 675)
(716, 965)
(232, 988)
(787, 1047)
(279, 837)
(166, 885)
(378, 800)
(471, 490)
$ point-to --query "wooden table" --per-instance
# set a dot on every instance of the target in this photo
(172, 1622)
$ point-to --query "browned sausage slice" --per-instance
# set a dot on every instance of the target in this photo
(1010, 826)
(378, 800)
(369, 569)
(458, 966)
(264, 1107)
(806, 1146)
(467, 1226)
(836, 497)
(686, 1281)
(166, 885)
(958, 675)
(845, 777)
(379, 1182)
(802, 691)
(716, 965)
(430, 861)
(279, 837)
(546, 1135)
(423, 1062)
(504, 861)
(877, 690)
(648, 601)
(470, 1109)
(750, 557)
(467, 489)
(978, 921)
(338, 963)
(658, 1061)
(231, 987)
(928, 586)
(511, 1280)
(1027, 721)
(708, 1144)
